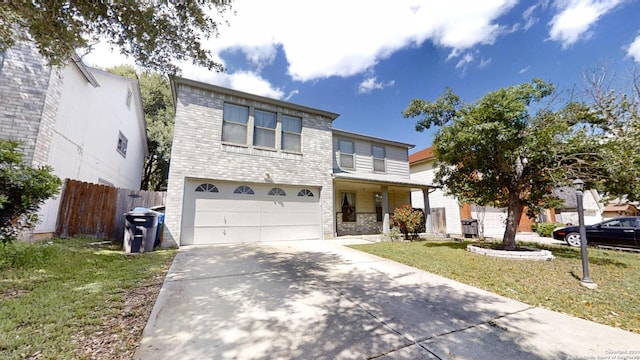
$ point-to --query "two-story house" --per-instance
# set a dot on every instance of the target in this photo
(248, 168)
(86, 123)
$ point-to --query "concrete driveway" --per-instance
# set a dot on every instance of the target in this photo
(320, 300)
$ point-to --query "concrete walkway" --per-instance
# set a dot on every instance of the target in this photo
(321, 300)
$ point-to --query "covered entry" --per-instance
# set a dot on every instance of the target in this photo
(227, 212)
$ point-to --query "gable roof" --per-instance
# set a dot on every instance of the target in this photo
(176, 80)
(371, 138)
(422, 155)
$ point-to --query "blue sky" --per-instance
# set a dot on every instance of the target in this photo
(366, 59)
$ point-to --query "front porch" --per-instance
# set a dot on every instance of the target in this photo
(364, 205)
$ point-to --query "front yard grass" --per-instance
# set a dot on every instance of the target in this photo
(68, 299)
(554, 285)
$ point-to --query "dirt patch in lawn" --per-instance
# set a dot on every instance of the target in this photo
(118, 337)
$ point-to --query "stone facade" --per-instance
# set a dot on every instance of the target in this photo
(366, 223)
(199, 153)
(30, 92)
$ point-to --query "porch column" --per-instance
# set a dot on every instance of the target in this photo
(385, 210)
(428, 219)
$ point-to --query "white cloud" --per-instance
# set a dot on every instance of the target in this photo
(370, 83)
(484, 63)
(328, 38)
(575, 19)
(103, 57)
(524, 70)
(529, 19)
(634, 49)
(359, 34)
(246, 81)
(466, 60)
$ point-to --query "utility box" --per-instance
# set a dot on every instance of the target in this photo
(469, 228)
(140, 231)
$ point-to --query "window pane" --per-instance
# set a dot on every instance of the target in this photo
(265, 119)
(264, 137)
(378, 165)
(291, 142)
(346, 147)
(346, 160)
(348, 207)
(235, 133)
(235, 113)
(378, 152)
(291, 124)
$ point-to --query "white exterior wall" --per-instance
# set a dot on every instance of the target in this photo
(397, 163)
(424, 172)
(85, 136)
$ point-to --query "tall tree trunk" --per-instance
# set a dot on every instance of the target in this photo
(514, 213)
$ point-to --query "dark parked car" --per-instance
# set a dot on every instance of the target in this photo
(621, 231)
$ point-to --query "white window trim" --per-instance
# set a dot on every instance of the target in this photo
(353, 155)
(384, 159)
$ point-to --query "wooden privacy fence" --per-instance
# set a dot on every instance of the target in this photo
(97, 210)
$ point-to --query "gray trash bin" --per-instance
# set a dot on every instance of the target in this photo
(140, 229)
(469, 228)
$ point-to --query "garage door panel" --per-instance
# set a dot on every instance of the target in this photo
(229, 205)
(291, 232)
(225, 217)
(289, 206)
(217, 218)
(216, 235)
(280, 219)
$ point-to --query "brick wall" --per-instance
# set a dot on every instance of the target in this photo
(366, 223)
(24, 94)
(198, 152)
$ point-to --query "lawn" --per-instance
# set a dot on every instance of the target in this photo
(552, 284)
(67, 298)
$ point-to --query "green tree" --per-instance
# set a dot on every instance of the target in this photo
(159, 116)
(22, 190)
(155, 33)
(507, 150)
(618, 111)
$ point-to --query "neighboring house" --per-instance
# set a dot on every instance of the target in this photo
(615, 209)
(248, 168)
(447, 212)
(86, 123)
(568, 213)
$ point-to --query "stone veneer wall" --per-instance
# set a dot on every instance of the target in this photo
(365, 224)
(29, 91)
(198, 152)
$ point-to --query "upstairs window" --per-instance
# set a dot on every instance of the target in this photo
(291, 133)
(347, 152)
(379, 158)
(264, 132)
(234, 124)
(129, 96)
(122, 144)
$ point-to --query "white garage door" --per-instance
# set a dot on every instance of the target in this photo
(225, 212)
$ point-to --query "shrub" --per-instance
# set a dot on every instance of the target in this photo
(22, 190)
(546, 229)
(407, 220)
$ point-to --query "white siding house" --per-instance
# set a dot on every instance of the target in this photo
(85, 123)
